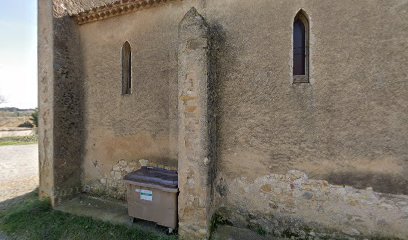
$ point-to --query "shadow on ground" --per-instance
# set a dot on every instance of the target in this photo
(107, 210)
(13, 202)
(26, 217)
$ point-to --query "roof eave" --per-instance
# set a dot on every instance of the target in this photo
(115, 9)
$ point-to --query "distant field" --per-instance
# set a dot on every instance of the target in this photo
(7, 141)
(7, 122)
(12, 117)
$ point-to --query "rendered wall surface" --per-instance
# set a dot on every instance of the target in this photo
(143, 125)
(332, 154)
(348, 126)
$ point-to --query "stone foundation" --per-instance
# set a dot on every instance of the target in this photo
(294, 205)
(112, 184)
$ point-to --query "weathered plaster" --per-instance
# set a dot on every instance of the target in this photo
(68, 109)
(110, 183)
(312, 204)
(142, 125)
(347, 126)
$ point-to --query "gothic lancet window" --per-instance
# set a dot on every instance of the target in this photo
(301, 48)
(126, 69)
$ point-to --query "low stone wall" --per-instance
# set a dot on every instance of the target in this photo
(112, 184)
(16, 132)
(293, 205)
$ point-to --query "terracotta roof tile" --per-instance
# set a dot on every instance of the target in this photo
(112, 9)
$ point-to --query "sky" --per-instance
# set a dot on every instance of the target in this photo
(18, 53)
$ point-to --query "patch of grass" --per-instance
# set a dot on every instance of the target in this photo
(35, 219)
(217, 220)
(261, 231)
(258, 229)
(7, 141)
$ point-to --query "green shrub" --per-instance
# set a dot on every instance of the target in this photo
(34, 117)
(26, 124)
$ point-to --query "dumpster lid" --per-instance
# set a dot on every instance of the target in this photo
(154, 176)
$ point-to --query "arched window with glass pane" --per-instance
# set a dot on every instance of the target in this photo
(301, 48)
(126, 69)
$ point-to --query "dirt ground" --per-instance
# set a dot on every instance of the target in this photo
(18, 171)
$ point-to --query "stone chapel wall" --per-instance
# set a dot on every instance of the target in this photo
(331, 154)
(123, 132)
(346, 130)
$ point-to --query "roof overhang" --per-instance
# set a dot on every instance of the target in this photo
(115, 9)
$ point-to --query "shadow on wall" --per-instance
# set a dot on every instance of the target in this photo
(379, 182)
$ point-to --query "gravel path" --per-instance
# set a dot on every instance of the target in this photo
(18, 170)
(18, 174)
